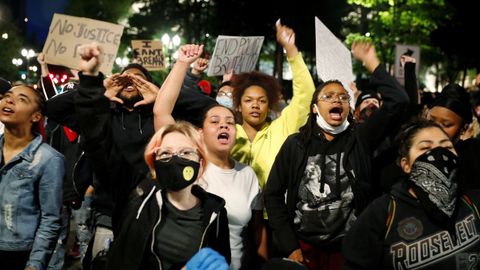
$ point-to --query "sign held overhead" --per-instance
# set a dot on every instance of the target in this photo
(334, 60)
(67, 33)
(149, 54)
(239, 54)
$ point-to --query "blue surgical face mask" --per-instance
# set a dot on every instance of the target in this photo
(225, 101)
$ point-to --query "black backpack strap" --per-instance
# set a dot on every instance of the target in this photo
(471, 205)
(392, 207)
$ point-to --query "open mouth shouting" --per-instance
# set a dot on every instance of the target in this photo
(7, 111)
(223, 137)
(335, 113)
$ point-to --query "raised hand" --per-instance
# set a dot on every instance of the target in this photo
(147, 90)
(43, 64)
(199, 66)
(187, 54)
(113, 85)
(286, 38)
(365, 52)
(407, 59)
(227, 76)
(91, 57)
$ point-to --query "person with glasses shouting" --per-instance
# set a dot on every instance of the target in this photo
(325, 169)
(164, 219)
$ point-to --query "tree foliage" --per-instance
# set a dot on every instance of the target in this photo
(9, 49)
(105, 10)
(398, 21)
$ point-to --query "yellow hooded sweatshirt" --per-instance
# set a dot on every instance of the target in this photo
(260, 154)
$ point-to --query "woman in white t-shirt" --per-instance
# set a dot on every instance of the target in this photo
(235, 182)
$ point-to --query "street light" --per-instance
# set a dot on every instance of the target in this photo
(27, 54)
(122, 62)
(169, 45)
(17, 62)
(5, 35)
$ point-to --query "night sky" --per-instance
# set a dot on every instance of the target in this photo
(39, 14)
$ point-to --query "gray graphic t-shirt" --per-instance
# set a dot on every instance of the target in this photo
(322, 217)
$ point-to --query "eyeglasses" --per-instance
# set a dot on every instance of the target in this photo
(228, 94)
(332, 97)
(165, 155)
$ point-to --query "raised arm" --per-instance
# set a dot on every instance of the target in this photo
(295, 114)
(411, 86)
(168, 94)
(395, 100)
(48, 86)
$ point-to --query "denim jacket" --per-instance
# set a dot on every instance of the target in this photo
(30, 201)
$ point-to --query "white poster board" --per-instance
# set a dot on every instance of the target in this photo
(334, 61)
(234, 52)
(67, 33)
(410, 50)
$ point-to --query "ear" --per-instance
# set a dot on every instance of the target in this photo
(464, 129)
(36, 116)
(314, 108)
(405, 166)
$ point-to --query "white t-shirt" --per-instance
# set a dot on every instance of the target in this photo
(240, 189)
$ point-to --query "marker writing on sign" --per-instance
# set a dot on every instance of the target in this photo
(82, 30)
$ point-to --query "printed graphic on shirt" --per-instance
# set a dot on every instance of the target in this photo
(324, 211)
(437, 247)
(410, 228)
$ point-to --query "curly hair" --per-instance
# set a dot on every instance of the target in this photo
(272, 87)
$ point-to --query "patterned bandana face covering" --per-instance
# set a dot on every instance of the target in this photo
(433, 177)
(329, 128)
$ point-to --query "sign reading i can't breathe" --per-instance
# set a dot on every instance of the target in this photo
(239, 54)
(149, 53)
(67, 33)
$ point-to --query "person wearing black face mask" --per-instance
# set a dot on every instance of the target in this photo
(173, 219)
(425, 221)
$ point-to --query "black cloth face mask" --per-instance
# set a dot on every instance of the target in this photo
(177, 173)
(433, 179)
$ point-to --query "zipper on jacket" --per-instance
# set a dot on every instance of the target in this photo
(153, 236)
(214, 215)
(73, 174)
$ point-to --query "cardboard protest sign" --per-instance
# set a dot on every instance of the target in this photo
(233, 52)
(67, 33)
(409, 50)
(149, 53)
(334, 61)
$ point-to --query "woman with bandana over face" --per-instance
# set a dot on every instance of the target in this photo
(164, 222)
(326, 169)
(425, 222)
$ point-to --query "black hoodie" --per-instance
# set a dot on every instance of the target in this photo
(350, 158)
(394, 232)
(115, 138)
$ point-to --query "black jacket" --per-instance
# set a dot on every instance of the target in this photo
(359, 142)
(395, 233)
(132, 248)
(114, 137)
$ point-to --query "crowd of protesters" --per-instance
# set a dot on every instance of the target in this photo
(171, 178)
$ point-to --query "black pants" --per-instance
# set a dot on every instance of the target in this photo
(13, 260)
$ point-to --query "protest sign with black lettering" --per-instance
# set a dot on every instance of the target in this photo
(67, 33)
(334, 61)
(149, 53)
(234, 52)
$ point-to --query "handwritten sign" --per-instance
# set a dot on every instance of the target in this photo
(409, 50)
(334, 61)
(67, 33)
(149, 53)
(233, 52)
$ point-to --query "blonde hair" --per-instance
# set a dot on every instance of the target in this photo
(184, 128)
